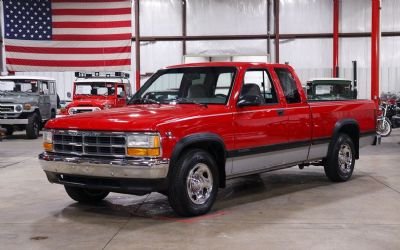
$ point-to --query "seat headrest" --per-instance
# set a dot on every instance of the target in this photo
(197, 91)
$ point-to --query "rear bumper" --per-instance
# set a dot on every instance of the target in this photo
(14, 121)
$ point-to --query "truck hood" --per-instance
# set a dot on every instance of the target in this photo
(89, 103)
(129, 118)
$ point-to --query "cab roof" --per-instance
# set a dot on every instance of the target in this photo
(26, 78)
(224, 64)
(110, 80)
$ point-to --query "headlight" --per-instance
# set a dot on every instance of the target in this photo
(18, 108)
(47, 140)
(27, 106)
(143, 145)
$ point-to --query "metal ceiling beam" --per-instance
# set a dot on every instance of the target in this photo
(261, 36)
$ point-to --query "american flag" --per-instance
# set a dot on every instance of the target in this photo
(67, 35)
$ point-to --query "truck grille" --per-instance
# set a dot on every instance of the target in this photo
(89, 143)
(6, 109)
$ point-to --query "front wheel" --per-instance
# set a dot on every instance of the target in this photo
(9, 130)
(85, 195)
(339, 165)
(33, 127)
(194, 183)
(384, 128)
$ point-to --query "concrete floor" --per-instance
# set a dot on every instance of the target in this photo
(288, 209)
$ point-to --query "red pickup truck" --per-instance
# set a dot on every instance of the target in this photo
(97, 92)
(192, 127)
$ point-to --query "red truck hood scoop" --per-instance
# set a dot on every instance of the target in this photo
(130, 118)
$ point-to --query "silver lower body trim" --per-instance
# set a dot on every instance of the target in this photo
(14, 121)
(112, 168)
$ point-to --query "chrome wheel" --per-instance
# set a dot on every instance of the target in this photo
(199, 183)
(384, 127)
(345, 158)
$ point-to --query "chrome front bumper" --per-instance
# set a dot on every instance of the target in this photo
(109, 168)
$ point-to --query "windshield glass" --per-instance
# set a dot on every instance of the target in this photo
(94, 88)
(204, 85)
(19, 86)
(329, 92)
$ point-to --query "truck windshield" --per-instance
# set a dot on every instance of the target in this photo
(204, 85)
(324, 91)
(19, 86)
(94, 88)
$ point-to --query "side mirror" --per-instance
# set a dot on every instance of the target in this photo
(69, 94)
(121, 94)
(249, 100)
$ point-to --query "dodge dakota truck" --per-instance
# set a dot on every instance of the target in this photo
(212, 122)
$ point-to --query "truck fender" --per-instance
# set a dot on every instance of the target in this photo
(211, 142)
(350, 127)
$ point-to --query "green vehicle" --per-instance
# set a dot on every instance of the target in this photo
(330, 89)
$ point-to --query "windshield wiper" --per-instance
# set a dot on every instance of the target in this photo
(143, 101)
(183, 100)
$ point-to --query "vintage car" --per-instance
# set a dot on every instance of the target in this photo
(94, 92)
(228, 120)
(319, 89)
(26, 103)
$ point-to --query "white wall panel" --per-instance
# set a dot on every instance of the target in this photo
(306, 53)
(390, 15)
(355, 16)
(238, 47)
(156, 55)
(306, 16)
(226, 17)
(160, 17)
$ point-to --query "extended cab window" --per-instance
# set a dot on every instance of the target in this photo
(255, 79)
(288, 84)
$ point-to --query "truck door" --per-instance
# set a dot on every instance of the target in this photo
(259, 130)
(121, 96)
(298, 113)
(44, 99)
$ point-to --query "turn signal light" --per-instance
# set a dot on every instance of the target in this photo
(143, 152)
(48, 146)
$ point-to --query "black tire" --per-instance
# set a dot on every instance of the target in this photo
(194, 162)
(53, 114)
(384, 127)
(33, 127)
(9, 130)
(339, 164)
(85, 195)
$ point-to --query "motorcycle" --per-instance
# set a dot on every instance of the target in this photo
(389, 117)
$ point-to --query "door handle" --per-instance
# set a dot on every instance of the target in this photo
(280, 112)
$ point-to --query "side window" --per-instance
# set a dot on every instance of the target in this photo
(259, 80)
(121, 92)
(289, 86)
(223, 84)
(44, 87)
(52, 89)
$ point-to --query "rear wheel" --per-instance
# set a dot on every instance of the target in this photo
(339, 165)
(33, 127)
(384, 128)
(9, 130)
(194, 183)
(85, 195)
